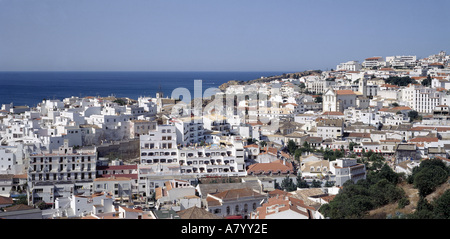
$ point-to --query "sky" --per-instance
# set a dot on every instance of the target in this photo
(208, 35)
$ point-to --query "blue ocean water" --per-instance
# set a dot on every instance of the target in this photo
(30, 88)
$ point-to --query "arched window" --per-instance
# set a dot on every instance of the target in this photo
(236, 210)
(228, 210)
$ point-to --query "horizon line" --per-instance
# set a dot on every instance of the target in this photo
(31, 71)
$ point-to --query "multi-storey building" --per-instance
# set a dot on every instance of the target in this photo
(330, 128)
(159, 146)
(189, 130)
(349, 66)
(319, 86)
(421, 99)
(347, 169)
(401, 61)
(371, 62)
(61, 173)
(160, 156)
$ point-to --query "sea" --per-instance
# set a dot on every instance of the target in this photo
(31, 88)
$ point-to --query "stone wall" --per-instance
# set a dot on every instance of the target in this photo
(125, 150)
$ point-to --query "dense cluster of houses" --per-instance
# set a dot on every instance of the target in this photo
(229, 157)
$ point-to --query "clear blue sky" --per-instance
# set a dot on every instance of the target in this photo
(209, 35)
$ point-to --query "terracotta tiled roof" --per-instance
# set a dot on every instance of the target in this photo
(114, 178)
(373, 58)
(389, 86)
(424, 139)
(359, 135)
(345, 92)
(284, 204)
(422, 128)
(117, 167)
(251, 146)
(196, 213)
(6, 200)
(333, 113)
(274, 167)
(18, 207)
(233, 194)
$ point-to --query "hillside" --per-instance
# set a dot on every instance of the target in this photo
(413, 196)
(224, 86)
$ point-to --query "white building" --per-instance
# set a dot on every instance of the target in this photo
(371, 62)
(179, 194)
(319, 86)
(421, 99)
(347, 169)
(234, 202)
(79, 206)
(338, 100)
(159, 146)
(330, 128)
(190, 130)
(11, 160)
(61, 173)
(161, 157)
(349, 66)
(401, 61)
(121, 188)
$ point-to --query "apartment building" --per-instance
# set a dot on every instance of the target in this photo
(330, 128)
(11, 160)
(160, 156)
(189, 130)
(159, 146)
(121, 188)
(372, 62)
(401, 62)
(349, 66)
(347, 169)
(61, 173)
(421, 99)
(319, 86)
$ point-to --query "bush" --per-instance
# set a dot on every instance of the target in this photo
(429, 175)
(355, 200)
(402, 203)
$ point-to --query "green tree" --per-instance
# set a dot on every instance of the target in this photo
(318, 99)
(316, 183)
(355, 199)
(351, 145)
(441, 206)
(301, 183)
(400, 81)
(428, 179)
(288, 185)
(427, 81)
(22, 199)
(413, 115)
(429, 175)
(262, 143)
(292, 146)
